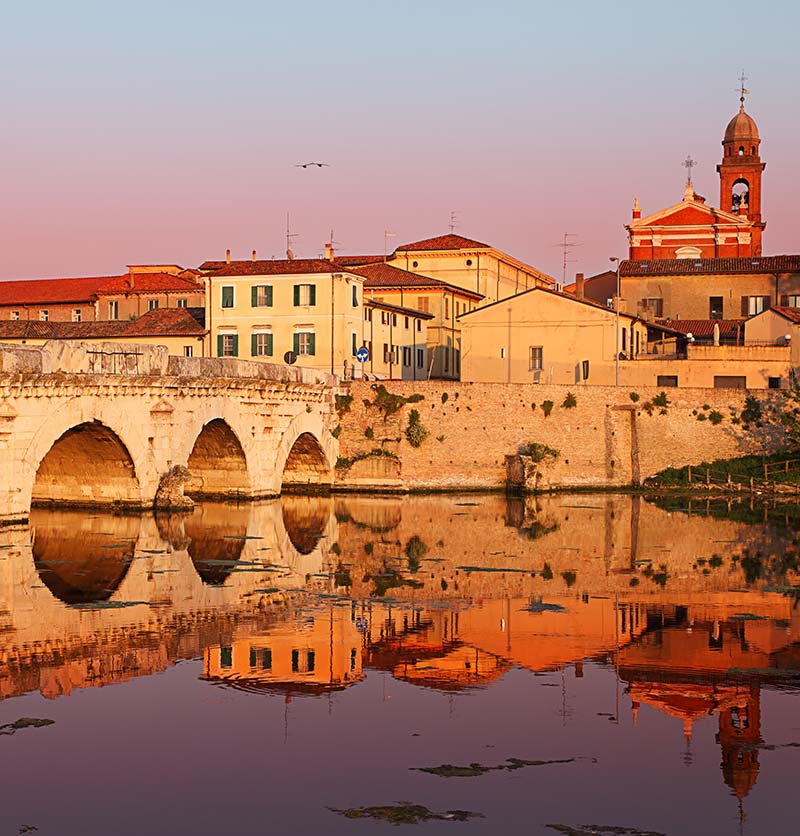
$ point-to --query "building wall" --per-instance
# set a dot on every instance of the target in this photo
(486, 273)
(176, 345)
(769, 327)
(687, 297)
(497, 341)
(393, 339)
(133, 305)
(704, 363)
(605, 440)
(56, 312)
(332, 325)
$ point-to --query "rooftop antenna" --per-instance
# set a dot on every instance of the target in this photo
(455, 220)
(289, 236)
(743, 91)
(387, 234)
(689, 164)
(567, 246)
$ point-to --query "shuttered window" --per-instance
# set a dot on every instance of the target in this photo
(261, 296)
(305, 295)
(261, 345)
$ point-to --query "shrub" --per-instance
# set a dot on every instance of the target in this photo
(343, 403)
(634, 396)
(569, 578)
(337, 431)
(547, 407)
(752, 411)
(444, 397)
(369, 433)
(715, 417)
(415, 431)
(547, 572)
(570, 402)
(416, 549)
(389, 403)
(701, 416)
(539, 452)
(661, 399)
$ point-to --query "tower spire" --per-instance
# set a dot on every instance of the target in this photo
(743, 90)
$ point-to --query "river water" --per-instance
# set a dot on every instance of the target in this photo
(589, 663)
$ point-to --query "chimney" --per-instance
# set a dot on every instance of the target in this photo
(637, 212)
(131, 280)
(579, 286)
(254, 255)
(227, 256)
(329, 252)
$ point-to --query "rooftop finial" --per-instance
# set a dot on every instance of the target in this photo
(743, 89)
(688, 164)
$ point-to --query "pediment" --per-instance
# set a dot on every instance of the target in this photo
(689, 213)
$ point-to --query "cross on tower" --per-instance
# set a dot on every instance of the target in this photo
(743, 89)
(689, 164)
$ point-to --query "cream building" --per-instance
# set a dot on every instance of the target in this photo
(779, 325)
(260, 310)
(397, 341)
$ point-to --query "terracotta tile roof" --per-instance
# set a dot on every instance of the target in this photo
(444, 242)
(704, 327)
(149, 283)
(711, 266)
(359, 260)
(792, 314)
(162, 322)
(385, 306)
(273, 267)
(383, 275)
(51, 291)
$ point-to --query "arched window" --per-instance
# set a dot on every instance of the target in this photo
(740, 194)
(741, 150)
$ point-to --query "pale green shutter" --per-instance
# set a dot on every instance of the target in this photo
(297, 295)
(312, 340)
(254, 345)
(219, 346)
(235, 345)
(269, 345)
(269, 295)
(296, 343)
(312, 298)
(254, 296)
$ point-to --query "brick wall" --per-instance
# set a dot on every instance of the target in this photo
(605, 440)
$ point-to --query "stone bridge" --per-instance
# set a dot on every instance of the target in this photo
(117, 425)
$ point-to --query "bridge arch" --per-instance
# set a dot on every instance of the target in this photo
(218, 463)
(305, 455)
(84, 463)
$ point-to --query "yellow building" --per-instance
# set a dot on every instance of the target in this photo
(469, 264)
(386, 284)
(181, 330)
(777, 326)
(544, 336)
(397, 341)
(147, 287)
(260, 310)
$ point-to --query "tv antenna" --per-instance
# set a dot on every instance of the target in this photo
(289, 236)
(567, 246)
(387, 234)
(455, 220)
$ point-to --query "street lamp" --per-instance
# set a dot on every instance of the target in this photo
(613, 259)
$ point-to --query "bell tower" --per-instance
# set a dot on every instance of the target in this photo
(740, 171)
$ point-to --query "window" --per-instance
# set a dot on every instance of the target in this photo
(624, 339)
(76, 314)
(653, 306)
(305, 295)
(752, 305)
(394, 320)
(406, 356)
(295, 661)
(730, 381)
(355, 295)
(266, 659)
(261, 344)
(446, 308)
(386, 354)
(310, 660)
(353, 658)
(774, 383)
(384, 317)
(667, 380)
(415, 264)
(423, 304)
(152, 304)
(227, 296)
(420, 358)
(226, 657)
(535, 358)
(15, 316)
(44, 315)
(354, 344)
(188, 351)
(305, 343)
(261, 296)
(585, 369)
(419, 325)
(406, 324)
(715, 307)
(227, 345)
(368, 314)
(113, 310)
(183, 303)
(790, 301)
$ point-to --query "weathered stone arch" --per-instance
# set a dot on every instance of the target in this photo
(305, 455)
(85, 464)
(218, 463)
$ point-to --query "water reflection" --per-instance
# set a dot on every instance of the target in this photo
(690, 613)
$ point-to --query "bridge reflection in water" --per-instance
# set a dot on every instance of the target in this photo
(691, 609)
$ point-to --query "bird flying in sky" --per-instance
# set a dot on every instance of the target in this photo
(306, 165)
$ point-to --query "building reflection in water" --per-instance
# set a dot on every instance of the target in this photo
(305, 595)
